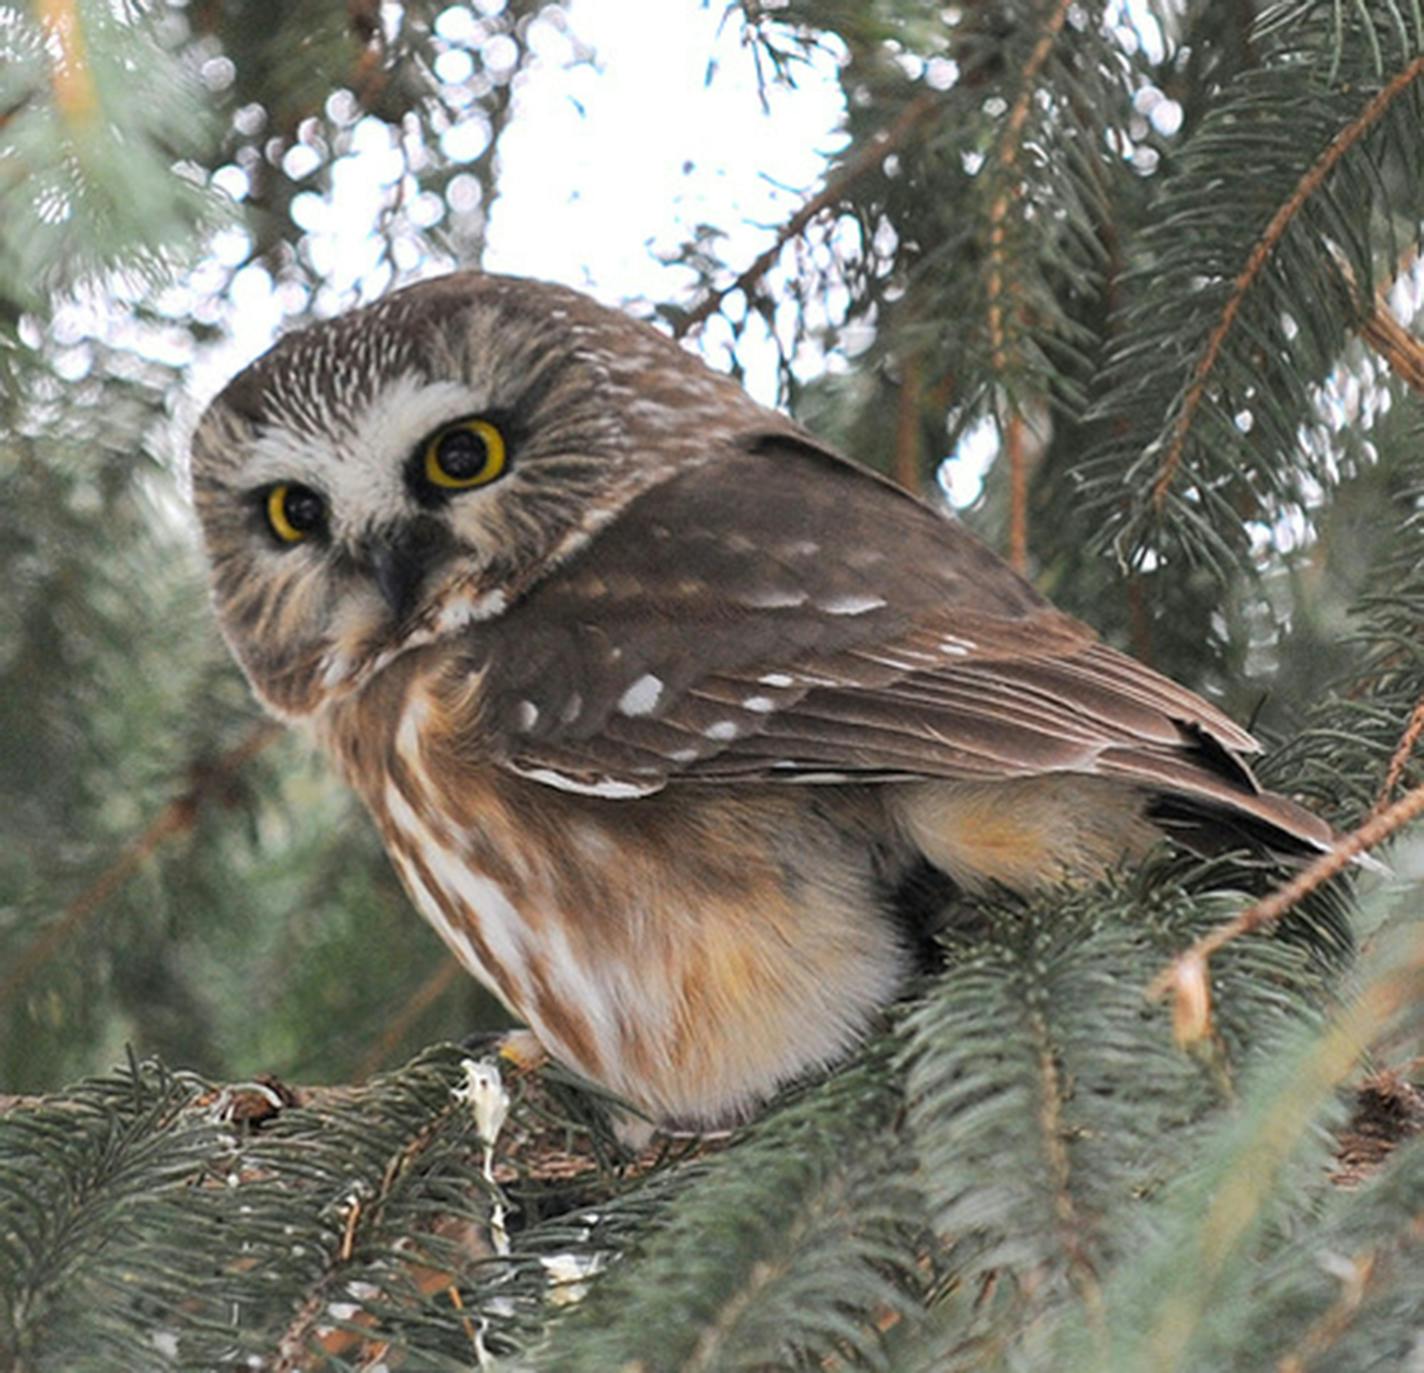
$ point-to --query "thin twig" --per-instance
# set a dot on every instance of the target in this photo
(906, 469)
(1010, 144)
(1399, 760)
(177, 817)
(1402, 350)
(871, 155)
(430, 991)
(1014, 450)
(1359, 1276)
(1260, 254)
(70, 76)
(1186, 971)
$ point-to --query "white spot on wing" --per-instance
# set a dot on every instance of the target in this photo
(959, 647)
(610, 788)
(760, 704)
(571, 709)
(526, 715)
(642, 696)
(777, 679)
(684, 755)
(723, 729)
(774, 598)
(850, 605)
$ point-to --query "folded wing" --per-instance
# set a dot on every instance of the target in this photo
(712, 633)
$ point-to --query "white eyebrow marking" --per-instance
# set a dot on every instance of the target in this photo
(642, 696)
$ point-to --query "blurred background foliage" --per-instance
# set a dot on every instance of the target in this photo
(1134, 288)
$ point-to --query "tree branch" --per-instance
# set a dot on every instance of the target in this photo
(177, 817)
(1311, 182)
(916, 113)
(1186, 977)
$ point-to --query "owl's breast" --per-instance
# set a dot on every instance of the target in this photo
(690, 950)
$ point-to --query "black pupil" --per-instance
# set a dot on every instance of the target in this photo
(461, 454)
(302, 508)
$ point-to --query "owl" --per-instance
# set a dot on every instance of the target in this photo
(676, 724)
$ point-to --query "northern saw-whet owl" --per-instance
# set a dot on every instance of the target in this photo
(674, 722)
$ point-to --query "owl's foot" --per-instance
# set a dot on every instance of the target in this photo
(520, 1049)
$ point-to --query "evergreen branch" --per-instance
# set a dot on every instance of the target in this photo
(869, 156)
(1308, 186)
(790, 1248)
(1186, 977)
(177, 817)
(92, 178)
(362, 1215)
(1079, 1264)
(1226, 1205)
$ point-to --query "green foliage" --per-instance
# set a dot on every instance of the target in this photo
(340, 1207)
(1243, 290)
(88, 154)
(721, 1280)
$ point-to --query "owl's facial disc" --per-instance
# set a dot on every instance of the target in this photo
(354, 547)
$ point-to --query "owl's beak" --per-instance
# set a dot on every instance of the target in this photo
(400, 563)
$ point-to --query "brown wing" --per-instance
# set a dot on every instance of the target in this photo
(781, 615)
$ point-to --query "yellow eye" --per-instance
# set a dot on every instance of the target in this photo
(294, 512)
(464, 455)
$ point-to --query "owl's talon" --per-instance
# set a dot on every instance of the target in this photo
(522, 1049)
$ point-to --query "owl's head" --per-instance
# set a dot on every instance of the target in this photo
(391, 477)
